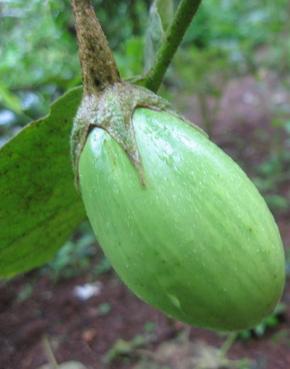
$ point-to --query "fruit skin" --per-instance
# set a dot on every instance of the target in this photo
(196, 239)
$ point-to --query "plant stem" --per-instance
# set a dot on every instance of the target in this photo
(49, 353)
(182, 19)
(228, 344)
(98, 65)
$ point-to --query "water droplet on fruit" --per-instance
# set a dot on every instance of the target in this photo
(175, 301)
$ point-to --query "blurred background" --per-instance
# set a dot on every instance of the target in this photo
(231, 77)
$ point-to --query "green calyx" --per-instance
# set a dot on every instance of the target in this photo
(112, 110)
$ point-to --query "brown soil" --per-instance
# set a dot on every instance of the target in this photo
(77, 331)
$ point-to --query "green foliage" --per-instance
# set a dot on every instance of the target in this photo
(149, 327)
(104, 309)
(130, 58)
(39, 58)
(205, 78)
(195, 354)
(273, 174)
(208, 72)
(160, 16)
(254, 22)
(75, 256)
(102, 267)
(240, 28)
(25, 292)
(122, 19)
(38, 46)
(269, 322)
(122, 348)
(8, 99)
(39, 204)
(39, 52)
(199, 32)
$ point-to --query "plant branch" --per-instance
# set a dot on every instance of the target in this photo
(182, 19)
(49, 353)
(98, 65)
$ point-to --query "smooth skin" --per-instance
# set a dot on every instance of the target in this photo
(194, 238)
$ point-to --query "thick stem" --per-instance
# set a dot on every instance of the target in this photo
(184, 14)
(98, 65)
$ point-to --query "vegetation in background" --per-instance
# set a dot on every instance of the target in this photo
(39, 57)
(77, 256)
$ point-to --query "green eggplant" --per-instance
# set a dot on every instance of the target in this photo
(188, 233)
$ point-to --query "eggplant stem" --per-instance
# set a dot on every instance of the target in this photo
(99, 68)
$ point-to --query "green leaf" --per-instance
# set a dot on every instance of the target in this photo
(165, 10)
(40, 206)
(160, 16)
(10, 100)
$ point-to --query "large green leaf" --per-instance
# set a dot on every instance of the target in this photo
(40, 206)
